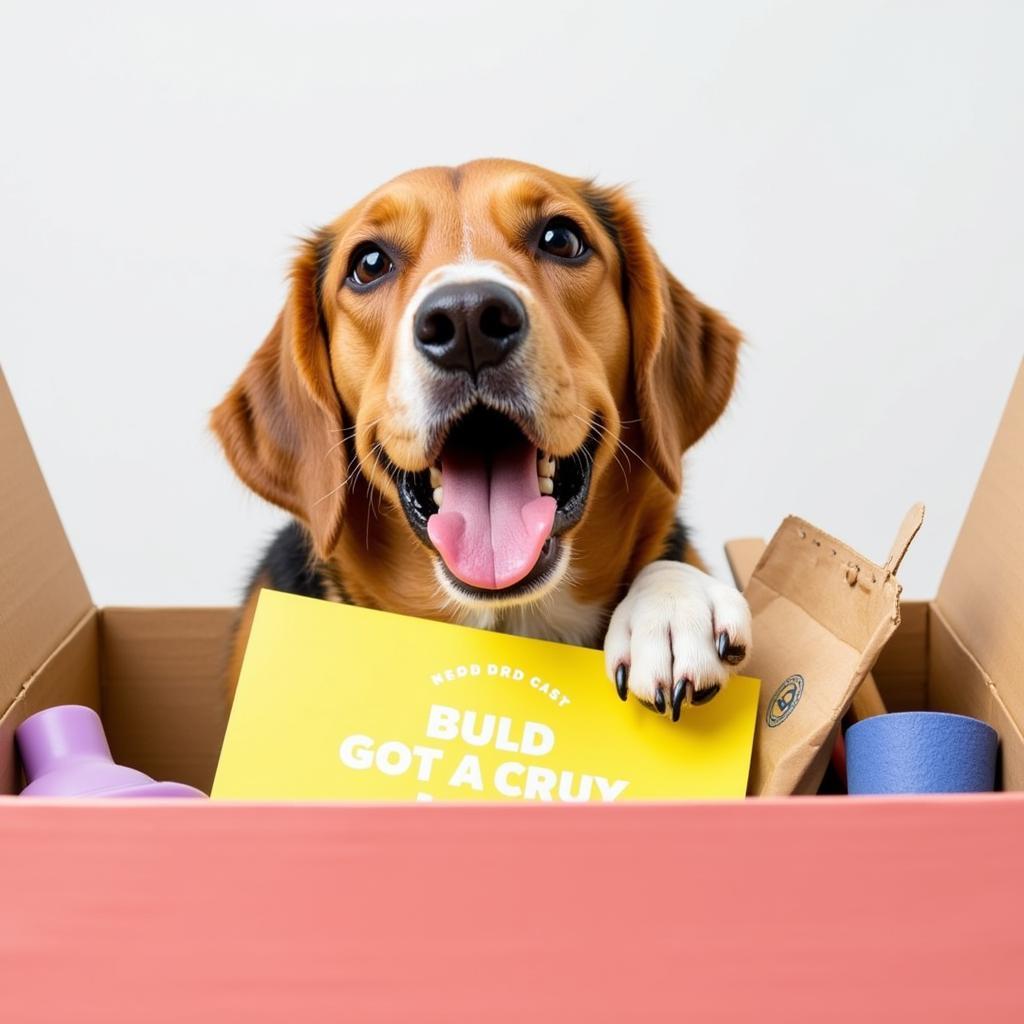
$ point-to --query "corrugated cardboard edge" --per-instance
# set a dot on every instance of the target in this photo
(70, 675)
(43, 597)
(981, 595)
(162, 679)
(954, 678)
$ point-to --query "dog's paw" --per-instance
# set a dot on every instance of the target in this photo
(676, 637)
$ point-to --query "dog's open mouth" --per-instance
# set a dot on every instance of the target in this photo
(494, 504)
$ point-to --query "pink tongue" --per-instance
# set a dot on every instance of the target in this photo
(493, 520)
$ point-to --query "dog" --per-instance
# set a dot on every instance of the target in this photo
(475, 403)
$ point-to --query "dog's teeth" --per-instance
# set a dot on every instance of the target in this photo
(545, 466)
(435, 476)
(547, 485)
(438, 495)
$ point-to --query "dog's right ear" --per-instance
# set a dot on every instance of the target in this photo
(684, 353)
(281, 424)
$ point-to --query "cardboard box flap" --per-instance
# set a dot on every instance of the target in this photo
(42, 593)
(821, 615)
(982, 589)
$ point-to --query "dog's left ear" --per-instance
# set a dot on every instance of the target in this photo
(281, 424)
(684, 354)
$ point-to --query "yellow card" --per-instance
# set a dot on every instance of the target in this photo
(336, 702)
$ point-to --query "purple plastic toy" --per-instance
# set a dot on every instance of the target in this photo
(64, 752)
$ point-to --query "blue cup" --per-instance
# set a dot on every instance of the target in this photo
(920, 752)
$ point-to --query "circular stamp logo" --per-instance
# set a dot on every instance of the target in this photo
(784, 700)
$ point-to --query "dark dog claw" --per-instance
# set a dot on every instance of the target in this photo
(659, 700)
(700, 697)
(735, 655)
(730, 653)
(622, 682)
(678, 695)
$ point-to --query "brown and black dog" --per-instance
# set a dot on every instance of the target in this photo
(475, 404)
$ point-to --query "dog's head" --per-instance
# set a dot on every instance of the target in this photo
(477, 343)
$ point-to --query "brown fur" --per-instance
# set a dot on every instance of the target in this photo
(619, 336)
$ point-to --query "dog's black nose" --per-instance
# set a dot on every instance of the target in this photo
(469, 326)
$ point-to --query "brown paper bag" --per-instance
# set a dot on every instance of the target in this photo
(821, 615)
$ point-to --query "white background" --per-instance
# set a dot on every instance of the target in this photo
(843, 179)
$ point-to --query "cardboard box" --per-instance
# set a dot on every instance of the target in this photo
(779, 908)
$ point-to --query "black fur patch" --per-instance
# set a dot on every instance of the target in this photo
(602, 210)
(289, 565)
(676, 543)
(323, 246)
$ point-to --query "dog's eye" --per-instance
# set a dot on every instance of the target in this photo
(369, 263)
(563, 239)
